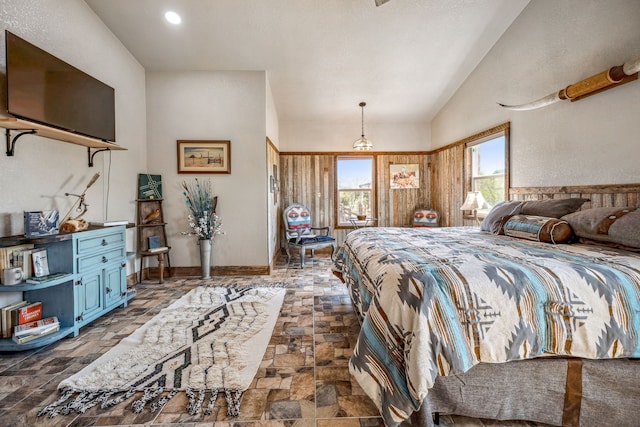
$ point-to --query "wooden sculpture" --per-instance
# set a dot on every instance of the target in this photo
(607, 79)
(77, 223)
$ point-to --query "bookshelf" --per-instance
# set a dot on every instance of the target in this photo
(151, 224)
(95, 263)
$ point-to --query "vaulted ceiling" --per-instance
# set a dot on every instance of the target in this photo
(322, 57)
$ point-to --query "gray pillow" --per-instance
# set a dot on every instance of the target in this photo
(619, 225)
(493, 220)
(552, 208)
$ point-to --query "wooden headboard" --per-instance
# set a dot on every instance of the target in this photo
(599, 195)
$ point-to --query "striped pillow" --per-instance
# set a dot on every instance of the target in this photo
(538, 228)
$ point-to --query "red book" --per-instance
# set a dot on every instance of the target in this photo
(29, 313)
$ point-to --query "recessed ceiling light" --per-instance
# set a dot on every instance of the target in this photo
(173, 17)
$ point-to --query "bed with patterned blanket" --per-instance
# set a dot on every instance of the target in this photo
(435, 303)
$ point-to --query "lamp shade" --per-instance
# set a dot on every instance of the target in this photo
(474, 201)
(362, 144)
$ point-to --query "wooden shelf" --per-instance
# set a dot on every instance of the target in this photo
(13, 123)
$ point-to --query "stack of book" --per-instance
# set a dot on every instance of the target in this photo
(34, 330)
(33, 261)
(17, 314)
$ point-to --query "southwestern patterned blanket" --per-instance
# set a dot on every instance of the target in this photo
(439, 301)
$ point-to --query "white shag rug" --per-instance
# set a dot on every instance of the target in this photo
(209, 341)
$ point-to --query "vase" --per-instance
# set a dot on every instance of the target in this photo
(205, 258)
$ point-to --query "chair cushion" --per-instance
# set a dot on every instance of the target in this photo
(425, 218)
(298, 218)
(315, 239)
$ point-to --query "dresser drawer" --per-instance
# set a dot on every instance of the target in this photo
(101, 259)
(103, 240)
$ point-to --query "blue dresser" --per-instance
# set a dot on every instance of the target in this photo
(95, 261)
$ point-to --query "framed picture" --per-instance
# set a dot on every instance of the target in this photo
(204, 156)
(404, 176)
(41, 223)
(149, 186)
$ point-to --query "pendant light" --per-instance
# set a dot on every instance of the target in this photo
(362, 144)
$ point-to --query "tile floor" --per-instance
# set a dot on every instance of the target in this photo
(303, 379)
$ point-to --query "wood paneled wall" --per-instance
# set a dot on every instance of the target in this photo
(615, 195)
(447, 184)
(309, 178)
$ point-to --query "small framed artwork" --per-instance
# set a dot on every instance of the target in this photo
(149, 186)
(41, 223)
(404, 176)
(197, 156)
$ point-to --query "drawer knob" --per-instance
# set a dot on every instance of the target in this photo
(79, 318)
(79, 282)
(104, 242)
(104, 259)
(108, 290)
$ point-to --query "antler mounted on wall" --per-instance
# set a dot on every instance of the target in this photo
(612, 77)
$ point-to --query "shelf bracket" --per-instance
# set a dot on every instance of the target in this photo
(11, 143)
(91, 156)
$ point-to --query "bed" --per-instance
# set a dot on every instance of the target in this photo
(465, 321)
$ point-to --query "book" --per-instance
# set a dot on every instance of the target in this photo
(41, 223)
(27, 268)
(53, 328)
(40, 263)
(8, 255)
(109, 223)
(48, 277)
(36, 327)
(154, 242)
(5, 312)
(158, 249)
(25, 314)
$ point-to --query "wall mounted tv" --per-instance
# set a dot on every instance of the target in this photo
(44, 89)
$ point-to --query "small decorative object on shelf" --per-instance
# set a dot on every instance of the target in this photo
(70, 224)
(41, 223)
(204, 222)
(153, 216)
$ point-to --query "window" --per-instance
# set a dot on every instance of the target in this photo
(355, 189)
(487, 166)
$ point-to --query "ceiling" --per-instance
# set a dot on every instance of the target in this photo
(405, 58)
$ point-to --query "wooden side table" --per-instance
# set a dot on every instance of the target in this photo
(359, 223)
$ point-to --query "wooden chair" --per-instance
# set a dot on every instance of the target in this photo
(299, 233)
(425, 217)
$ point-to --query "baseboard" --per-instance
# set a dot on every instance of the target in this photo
(240, 270)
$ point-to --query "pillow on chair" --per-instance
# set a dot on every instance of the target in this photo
(425, 218)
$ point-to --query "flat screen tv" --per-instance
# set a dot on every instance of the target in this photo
(44, 89)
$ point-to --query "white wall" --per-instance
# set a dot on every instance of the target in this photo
(42, 170)
(314, 136)
(273, 127)
(273, 133)
(216, 105)
(548, 47)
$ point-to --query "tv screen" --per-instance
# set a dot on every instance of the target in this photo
(47, 90)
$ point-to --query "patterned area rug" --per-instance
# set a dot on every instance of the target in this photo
(208, 342)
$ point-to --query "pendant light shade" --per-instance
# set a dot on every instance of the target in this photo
(362, 144)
